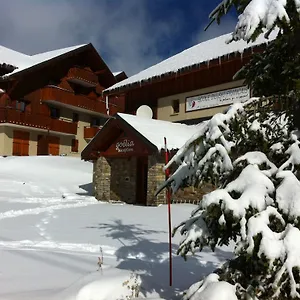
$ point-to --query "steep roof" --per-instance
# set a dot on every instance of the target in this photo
(22, 61)
(200, 53)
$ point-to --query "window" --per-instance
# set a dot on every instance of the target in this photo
(95, 122)
(54, 113)
(74, 145)
(175, 106)
(75, 118)
(20, 105)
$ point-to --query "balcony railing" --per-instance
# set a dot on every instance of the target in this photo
(13, 116)
(66, 97)
(82, 76)
(90, 132)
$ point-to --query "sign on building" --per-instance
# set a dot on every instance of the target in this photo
(225, 97)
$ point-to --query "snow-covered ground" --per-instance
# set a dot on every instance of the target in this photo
(52, 230)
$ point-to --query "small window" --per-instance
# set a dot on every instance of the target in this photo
(95, 122)
(175, 106)
(74, 145)
(20, 105)
(75, 118)
(54, 113)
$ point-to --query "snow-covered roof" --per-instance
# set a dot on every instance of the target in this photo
(117, 73)
(156, 130)
(197, 54)
(22, 61)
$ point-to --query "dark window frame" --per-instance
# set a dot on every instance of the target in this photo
(175, 106)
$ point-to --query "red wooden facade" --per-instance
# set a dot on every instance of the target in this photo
(72, 81)
(217, 71)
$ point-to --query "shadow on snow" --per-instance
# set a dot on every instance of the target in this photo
(149, 258)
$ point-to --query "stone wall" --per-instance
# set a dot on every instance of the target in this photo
(156, 177)
(123, 179)
(115, 179)
(101, 179)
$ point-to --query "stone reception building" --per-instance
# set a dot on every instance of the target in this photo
(128, 155)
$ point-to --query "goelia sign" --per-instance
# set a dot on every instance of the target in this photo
(240, 94)
(125, 146)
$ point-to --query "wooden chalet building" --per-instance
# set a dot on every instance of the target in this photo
(51, 103)
(192, 85)
(128, 155)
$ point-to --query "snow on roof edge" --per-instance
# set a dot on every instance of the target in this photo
(194, 55)
(39, 58)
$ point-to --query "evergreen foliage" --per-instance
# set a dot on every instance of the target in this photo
(252, 155)
(257, 203)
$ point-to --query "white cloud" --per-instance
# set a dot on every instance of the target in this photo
(122, 31)
(119, 30)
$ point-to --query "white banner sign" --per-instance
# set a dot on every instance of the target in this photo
(240, 94)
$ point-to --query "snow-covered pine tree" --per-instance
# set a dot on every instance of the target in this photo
(252, 155)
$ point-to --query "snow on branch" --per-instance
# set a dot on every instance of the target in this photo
(256, 17)
(255, 156)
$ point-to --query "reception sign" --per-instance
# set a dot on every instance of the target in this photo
(126, 146)
(240, 94)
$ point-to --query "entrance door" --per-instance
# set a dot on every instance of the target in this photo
(21, 143)
(42, 145)
(48, 145)
(53, 145)
(141, 180)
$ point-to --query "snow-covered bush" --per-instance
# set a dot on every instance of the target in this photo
(252, 155)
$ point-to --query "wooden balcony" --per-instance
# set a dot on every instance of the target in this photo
(90, 132)
(12, 116)
(53, 94)
(82, 77)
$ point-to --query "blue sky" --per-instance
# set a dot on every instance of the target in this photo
(130, 35)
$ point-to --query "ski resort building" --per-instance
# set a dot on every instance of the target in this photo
(128, 154)
(51, 103)
(192, 85)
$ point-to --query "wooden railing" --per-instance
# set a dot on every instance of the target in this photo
(13, 116)
(90, 132)
(82, 74)
(66, 97)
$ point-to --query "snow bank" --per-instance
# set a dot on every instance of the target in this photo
(211, 289)
(45, 176)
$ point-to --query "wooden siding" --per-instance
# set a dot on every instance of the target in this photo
(199, 77)
(82, 75)
(90, 132)
(8, 115)
(66, 97)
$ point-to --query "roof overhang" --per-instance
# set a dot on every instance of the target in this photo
(111, 131)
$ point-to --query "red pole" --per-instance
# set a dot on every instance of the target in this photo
(168, 196)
